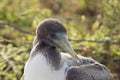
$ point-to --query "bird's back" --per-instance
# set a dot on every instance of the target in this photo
(85, 69)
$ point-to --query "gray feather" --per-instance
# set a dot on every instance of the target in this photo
(88, 69)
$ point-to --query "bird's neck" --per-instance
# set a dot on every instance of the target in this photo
(50, 52)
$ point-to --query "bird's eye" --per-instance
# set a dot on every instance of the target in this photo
(53, 36)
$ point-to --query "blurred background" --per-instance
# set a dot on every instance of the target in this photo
(93, 30)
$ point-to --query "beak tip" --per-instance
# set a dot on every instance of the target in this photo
(76, 58)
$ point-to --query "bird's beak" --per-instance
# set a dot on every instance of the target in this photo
(63, 43)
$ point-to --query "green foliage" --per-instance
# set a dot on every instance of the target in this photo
(93, 28)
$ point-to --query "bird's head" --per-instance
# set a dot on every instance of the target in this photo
(53, 32)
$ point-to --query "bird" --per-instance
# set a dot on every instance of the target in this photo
(48, 62)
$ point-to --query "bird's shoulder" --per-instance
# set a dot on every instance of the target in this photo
(90, 71)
